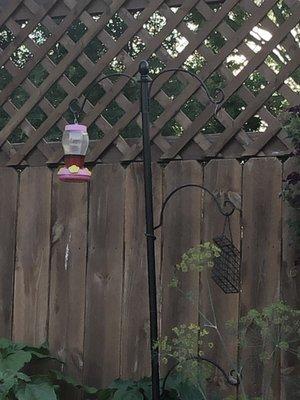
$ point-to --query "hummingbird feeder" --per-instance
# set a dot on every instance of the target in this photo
(75, 143)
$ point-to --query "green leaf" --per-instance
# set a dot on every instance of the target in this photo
(123, 394)
(15, 361)
(184, 389)
(41, 379)
(72, 382)
(5, 343)
(105, 394)
(6, 386)
(9, 347)
(40, 352)
(67, 379)
(41, 391)
(45, 356)
(120, 394)
(42, 349)
(90, 390)
(283, 345)
(135, 390)
(22, 377)
(122, 384)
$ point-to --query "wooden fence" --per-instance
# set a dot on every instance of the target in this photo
(73, 262)
(39, 51)
(72, 257)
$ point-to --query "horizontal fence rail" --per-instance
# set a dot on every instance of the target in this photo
(53, 51)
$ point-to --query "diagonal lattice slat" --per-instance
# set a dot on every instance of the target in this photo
(53, 51)
(235, 85)
(216, 62)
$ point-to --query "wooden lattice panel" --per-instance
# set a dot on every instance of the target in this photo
(53, 51)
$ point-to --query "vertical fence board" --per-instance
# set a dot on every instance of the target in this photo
(290, 285)
(113, 329)
(181, 230)
(68, 269)
(8, 207)
(261, 262)
(32, 256)
(104, 275)
(135, 345)
(220, 176)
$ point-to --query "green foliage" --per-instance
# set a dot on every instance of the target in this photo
(291, 123)
(199, 257)
(295, 226)
(196, 259)
(271, 332)
(127, 389)
(291, 190)
(274, 329)
(187, 342)
(177, 387)
(181, 387)
(18, 383)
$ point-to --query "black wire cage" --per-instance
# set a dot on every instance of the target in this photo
(226, 271)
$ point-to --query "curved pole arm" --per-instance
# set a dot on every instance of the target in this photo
(77, 114)
(232, 378)
(221, 210)
(218, 92)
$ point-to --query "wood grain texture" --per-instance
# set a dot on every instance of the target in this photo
(89, 78)
(151, 47)
(8, 218)
(234, 149)
(175, 106)
(209, 111)
(261, 262)
(7, 8)
(22, 35)
(110, 338)
(68, 271)
(42, 51)
(104, 275)
(290, 284)
(96, 7)
(181, 230)
(135, 341)
(51, 79)
(192, 144)
(220, 177)
(32, 256)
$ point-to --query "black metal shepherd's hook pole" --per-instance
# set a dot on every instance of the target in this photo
(145, 81)
(146, 85)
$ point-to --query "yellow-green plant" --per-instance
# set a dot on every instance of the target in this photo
(276, 329)
(197, 259)
(185, 347)
(187, 342)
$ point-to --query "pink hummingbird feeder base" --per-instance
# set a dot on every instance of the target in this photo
(74, 174)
